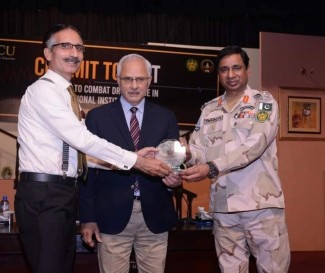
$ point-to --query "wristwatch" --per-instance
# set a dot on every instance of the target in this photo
(213, 170)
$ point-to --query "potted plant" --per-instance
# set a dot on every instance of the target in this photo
(6, 172)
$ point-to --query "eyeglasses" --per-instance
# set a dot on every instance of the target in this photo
(67, 46)
(138, 80)
(234, 68)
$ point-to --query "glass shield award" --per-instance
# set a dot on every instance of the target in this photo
(172, 153)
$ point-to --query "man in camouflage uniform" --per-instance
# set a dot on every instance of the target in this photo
(234, 144)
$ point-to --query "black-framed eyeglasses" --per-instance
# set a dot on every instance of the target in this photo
(80, 48)
(138, 80)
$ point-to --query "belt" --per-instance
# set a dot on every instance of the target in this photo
(48, 178)
(136, 197)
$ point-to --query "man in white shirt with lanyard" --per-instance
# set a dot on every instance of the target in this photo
(45, 201)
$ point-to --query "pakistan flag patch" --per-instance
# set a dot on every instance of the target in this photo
(265, 106)
(262, 116)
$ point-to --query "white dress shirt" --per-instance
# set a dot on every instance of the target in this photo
(46, 119)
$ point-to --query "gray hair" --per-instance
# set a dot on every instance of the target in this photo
(133, 56)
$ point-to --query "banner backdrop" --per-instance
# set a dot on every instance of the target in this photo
(183, 79)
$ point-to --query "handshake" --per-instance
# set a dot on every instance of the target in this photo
(167, 161)
(164, 161)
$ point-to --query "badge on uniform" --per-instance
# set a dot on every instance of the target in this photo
(265, 106)
(262, 116)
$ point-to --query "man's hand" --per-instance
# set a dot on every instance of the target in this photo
(147, 152)
(172, 180)
(152, 166)
(87, 232)
(195, 173)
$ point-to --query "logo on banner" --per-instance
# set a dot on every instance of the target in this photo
(192, 65)
(207, 66)
(7, 52)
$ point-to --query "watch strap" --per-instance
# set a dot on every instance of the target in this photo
(213, 170)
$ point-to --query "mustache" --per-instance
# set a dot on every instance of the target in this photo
(75, 60)
(134, 91)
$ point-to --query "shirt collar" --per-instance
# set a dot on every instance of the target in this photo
(57, 79)
(126, 106)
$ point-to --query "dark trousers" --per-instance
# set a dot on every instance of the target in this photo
(46, 218)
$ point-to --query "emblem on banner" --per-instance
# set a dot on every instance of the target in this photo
(192, 65)
(207, 66)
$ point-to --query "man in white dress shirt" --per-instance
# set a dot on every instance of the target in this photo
(45, 201)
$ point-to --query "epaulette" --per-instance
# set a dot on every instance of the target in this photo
(209, 102)
(263, 95)
(265, 104)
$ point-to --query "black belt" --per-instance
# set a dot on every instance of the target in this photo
(135, 197)
(44, 177)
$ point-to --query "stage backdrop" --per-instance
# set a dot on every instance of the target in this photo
(183, 79)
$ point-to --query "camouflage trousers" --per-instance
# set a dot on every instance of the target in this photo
(262, 233)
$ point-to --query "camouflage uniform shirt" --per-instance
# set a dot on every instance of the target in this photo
(242, 143)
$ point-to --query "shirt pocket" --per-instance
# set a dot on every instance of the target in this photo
(213, 134)
(241, 128)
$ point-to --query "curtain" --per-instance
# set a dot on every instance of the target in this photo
(188, 22)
